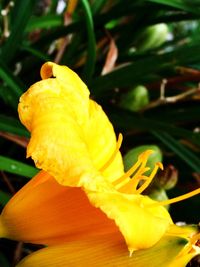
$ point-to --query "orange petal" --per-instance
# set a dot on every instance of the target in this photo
(107, 250)
(45, 212)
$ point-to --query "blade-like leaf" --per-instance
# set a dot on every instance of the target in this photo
(137, 71)
(42, 22)
(131, 121)
(19, 18)
(35, 52)
(3, 261)
(97, 5)
(15, 85)
(91, 53)
(11, 125)
(186, 5)
(184, 153)
(4, 198)
(17, 167)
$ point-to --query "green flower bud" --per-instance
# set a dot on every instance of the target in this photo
(131, 157)
(135, 99)
(152, 37)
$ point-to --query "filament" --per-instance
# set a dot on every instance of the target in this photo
(127, 174)
(118, 145)
(124, 183)
(150, 178)
(177, 199)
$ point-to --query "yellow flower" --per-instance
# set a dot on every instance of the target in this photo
(73, 140)
(82, 192)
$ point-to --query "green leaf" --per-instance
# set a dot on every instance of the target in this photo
(173, 115)
(91, 53)
(58, 32)
(42, 22)
(8, 96)
(3, 261)
(186, 5)
(13, 82)
(184, 153)
(97, 6)
(139, 70)
(17, 167)
(4, 198)
(11, 125)
(128, 121)
(19, 18)
(35, 52)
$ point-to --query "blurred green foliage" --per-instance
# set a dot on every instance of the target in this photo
(127, 38)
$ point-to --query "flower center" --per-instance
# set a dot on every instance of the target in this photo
(139, 181)
(133, 185)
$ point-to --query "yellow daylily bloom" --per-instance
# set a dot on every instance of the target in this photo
(73, 140)
(82, 191)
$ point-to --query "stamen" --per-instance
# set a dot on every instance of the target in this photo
(127, 174)
(177, 199)
(124, 183)
(118, 145)
(150, 178)
(130, 184)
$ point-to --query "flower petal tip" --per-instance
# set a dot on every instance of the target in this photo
(46, 70)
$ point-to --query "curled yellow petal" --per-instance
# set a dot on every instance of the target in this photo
(71, 137)
(101, 143)
(141, 225)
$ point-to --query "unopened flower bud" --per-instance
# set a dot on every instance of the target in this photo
(152, 37)
(132, 156)
(135, 99)
(168, 178)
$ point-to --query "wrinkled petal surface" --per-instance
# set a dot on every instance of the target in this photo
(101, 142)
(71, 137)
(105, 251)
